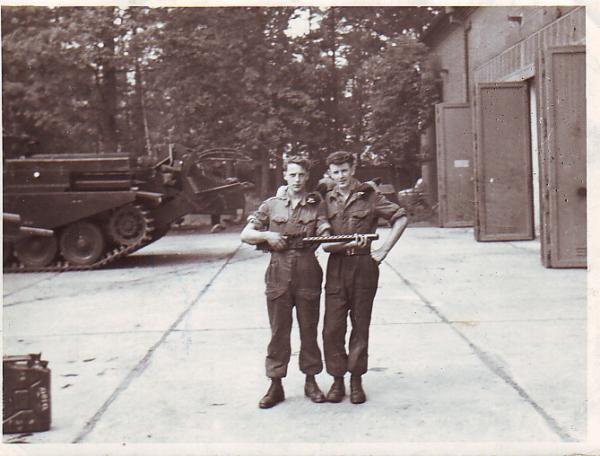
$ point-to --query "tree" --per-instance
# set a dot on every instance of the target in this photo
(61, 73)
(400, 96)
(135, 79)
(38, 100)
(335, 51)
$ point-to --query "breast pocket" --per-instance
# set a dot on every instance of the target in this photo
(278, 223)
(307, 224)
(360, 220)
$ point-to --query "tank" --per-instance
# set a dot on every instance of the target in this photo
(81, 211)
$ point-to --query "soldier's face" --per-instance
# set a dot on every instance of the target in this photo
(341, 174)
(296, 177)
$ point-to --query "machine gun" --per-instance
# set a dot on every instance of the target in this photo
(300, 241)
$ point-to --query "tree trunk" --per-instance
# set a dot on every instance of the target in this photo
(279, 166)
(359, 127)
(265, 181)
(333, 101)
(140, 127)
(108, 87)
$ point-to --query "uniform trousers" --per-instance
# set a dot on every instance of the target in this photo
(350, 290)
(293, 280)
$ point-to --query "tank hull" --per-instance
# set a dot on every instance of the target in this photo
(93, 210)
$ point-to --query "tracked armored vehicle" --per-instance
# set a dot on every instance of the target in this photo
(81, 211)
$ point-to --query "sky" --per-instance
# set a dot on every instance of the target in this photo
(300, 25)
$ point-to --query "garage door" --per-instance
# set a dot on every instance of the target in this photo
(454, 138)
(564, 157)
(503, 192)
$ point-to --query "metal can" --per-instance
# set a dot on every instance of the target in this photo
(25, 394)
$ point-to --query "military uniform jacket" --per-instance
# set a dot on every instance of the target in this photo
(360, 212)
(292, 269)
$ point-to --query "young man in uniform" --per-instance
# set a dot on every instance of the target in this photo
(353, 272)
(293, 278)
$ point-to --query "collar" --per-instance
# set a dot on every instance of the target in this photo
(307, 198)
(357, 190)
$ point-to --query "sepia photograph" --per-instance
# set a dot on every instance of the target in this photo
(297, 228)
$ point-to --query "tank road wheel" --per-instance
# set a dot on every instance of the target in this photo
(36, 251)
(129, 224)
(82, 243)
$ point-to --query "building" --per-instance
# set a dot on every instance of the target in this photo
(508, 150)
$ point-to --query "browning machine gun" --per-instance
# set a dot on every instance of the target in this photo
(300, 241)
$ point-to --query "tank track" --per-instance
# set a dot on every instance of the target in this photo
(108, 258)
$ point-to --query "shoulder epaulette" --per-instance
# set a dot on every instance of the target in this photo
(314, 198)
(281, 192)
(367, 187)
(271, 198)
(324, 187)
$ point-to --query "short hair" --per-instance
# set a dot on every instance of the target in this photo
(339, 157)
(297, 160)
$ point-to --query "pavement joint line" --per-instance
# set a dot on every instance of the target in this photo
(252, 258)
(519, 247)
(489, 363)
(514, 320)
(143, 331)
(476, 322)
(265, 328)
(247, 328)
(96, 333)
(141, 281)
(18, 290)
(141, 366)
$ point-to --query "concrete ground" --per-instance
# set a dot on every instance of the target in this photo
(470, 342)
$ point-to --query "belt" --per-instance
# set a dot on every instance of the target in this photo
(352, 251)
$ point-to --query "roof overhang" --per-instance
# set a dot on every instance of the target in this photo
(445, 22)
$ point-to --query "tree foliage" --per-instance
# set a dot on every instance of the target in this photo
(400, 93)
(103, 79)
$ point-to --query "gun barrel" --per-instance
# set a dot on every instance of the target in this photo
(293, 244)
(339, 238)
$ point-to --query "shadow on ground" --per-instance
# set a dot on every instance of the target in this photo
(150, 260)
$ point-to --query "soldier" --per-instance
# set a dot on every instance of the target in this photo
(353, 272)
(293, 278)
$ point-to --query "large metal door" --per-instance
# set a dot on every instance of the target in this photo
(564, 157)
(503, 193)
(454, 138)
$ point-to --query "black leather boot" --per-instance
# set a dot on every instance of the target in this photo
(312, 390)
(337, 391)
(357, 394)
(274, 395)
